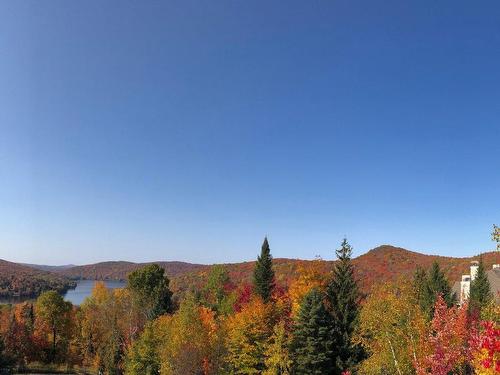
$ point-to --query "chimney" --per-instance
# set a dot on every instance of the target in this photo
(474, 265)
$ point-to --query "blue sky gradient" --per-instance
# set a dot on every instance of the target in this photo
(187, 130)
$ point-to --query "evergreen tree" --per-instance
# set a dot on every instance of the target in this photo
(313, 343)
(480, 292)
(343, 301)
(263, 276)
(435, 284)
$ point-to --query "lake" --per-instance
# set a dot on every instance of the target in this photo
(84, 289)
(75, 296)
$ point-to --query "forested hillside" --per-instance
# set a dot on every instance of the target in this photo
(383, 263)
(18, 280)
(119, 270)
(272, 317)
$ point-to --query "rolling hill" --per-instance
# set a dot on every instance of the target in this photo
(380, 264)
(44, 267)
(118, 270)
(383, 263)
(17, 280)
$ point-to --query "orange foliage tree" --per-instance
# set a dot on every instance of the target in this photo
(310, 275)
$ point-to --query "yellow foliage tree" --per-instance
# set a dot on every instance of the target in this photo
(249, 332)
(106, 328)
(390, 327)
(195, 341)
(278, 360)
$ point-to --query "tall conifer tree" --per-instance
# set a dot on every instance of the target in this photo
(435, 283)
(480, 291)
(263, 277)
(343, 298)
(313, 341)
(420, 283)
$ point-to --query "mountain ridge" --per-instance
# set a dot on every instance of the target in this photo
(382, 263)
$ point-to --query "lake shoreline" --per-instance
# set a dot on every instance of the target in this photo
(76, 295)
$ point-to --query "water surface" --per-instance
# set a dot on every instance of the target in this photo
(84, 289)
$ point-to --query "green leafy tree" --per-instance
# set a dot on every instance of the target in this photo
(217, 292)
(343, 299)
(143, 357)
(149, 287)
(313, 341)
(480, 291)
(263, 277)
(495, 236)
(434, 284)
(53, 317)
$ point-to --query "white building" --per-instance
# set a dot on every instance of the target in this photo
(462, 288)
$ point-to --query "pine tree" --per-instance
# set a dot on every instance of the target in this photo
(263, 277)
(436, 284)
(480, 291)
(343, 298)
(313, 343)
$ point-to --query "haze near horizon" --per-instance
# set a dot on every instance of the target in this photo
(188, 131)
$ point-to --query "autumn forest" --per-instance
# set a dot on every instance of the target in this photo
(321, 322)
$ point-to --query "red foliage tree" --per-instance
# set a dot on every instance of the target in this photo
(446, 344)
(485, 346)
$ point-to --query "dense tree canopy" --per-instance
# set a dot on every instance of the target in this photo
(430, 285)
(390, 329)
(218, 293)
(316, 323)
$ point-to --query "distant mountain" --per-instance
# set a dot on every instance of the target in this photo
(44, 267)
(119, 270)
(388, 263)
(380, 264)
(17, 280)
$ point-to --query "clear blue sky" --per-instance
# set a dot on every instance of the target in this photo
(181, 130)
